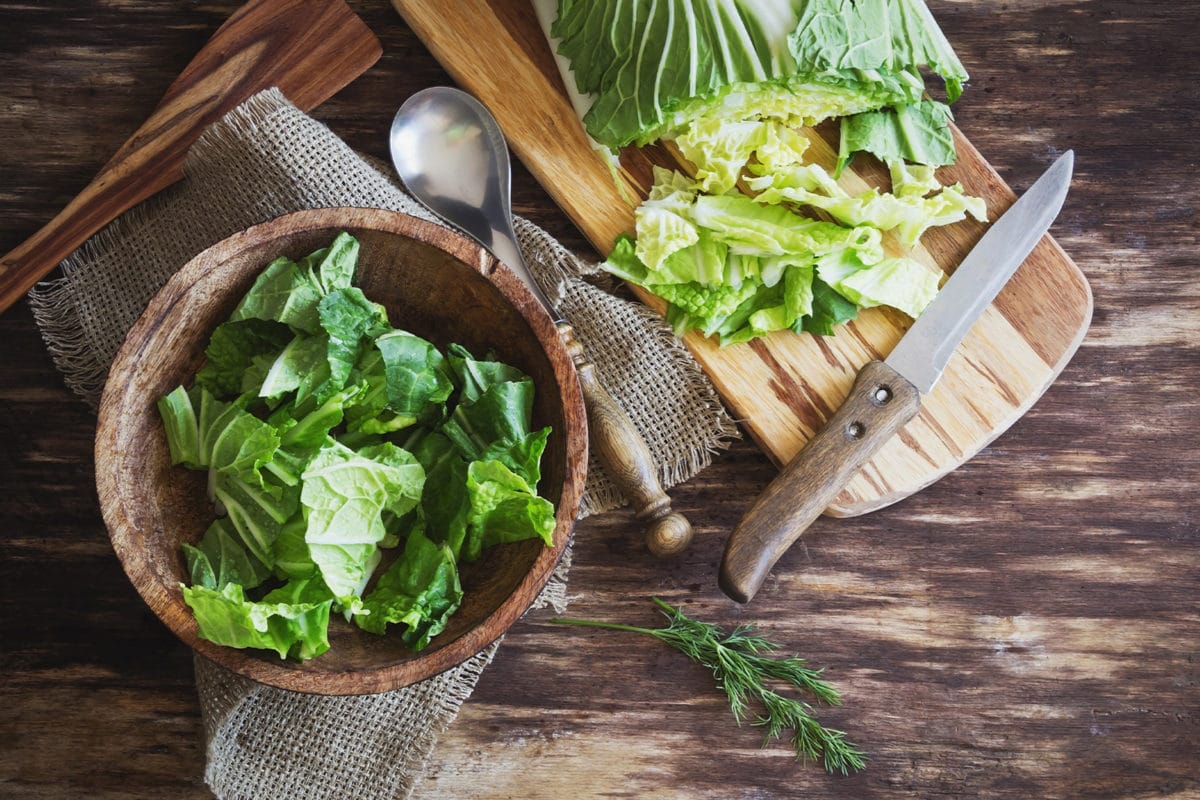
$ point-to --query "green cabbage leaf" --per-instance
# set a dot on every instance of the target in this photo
(420, 591)
(890, 36)
(653, 67)
(328, 437)
(344, 494)
(731, 82)
(917, 132)
(292, 620)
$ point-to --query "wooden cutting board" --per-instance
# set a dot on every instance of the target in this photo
(784, 386)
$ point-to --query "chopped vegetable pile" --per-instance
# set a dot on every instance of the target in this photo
(731, 83)
(328, 437)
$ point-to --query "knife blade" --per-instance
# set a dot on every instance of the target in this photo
(887, 394)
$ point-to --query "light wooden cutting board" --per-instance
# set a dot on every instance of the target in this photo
(784, 386)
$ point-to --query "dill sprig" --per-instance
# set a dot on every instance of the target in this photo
(742, 664)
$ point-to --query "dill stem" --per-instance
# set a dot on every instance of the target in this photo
(613, 626)
(742, 669)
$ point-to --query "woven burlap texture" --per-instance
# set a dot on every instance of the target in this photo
(265, 159)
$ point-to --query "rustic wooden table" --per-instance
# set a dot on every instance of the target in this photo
(1026, 626)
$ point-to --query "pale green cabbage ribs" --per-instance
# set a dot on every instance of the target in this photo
(731, 82)
(328, 438)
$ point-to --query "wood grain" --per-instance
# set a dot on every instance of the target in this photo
(880, 403)
(307, 48)
(1025, 627)
(784, 386)
(435, 283)
(627, 458)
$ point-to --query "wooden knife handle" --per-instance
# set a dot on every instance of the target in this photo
(880, 403)
(308, 48)
(626, 457)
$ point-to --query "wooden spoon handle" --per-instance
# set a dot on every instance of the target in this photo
(880, 403)
(626, 457)
(308, 48)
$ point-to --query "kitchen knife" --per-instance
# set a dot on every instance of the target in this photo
(887, 394)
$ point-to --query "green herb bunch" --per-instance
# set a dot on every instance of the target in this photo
(743, 667)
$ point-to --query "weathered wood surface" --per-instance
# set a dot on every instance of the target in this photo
(308, 49)
(1028, 626)
(878, 405)
(783, 387)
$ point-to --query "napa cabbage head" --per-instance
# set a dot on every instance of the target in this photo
(653, 67)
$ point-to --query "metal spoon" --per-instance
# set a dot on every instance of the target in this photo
(450, 154)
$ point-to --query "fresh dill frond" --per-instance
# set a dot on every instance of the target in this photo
(742, 664)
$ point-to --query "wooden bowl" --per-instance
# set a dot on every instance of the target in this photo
(434, 283)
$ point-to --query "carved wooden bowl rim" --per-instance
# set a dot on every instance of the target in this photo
(129, 520)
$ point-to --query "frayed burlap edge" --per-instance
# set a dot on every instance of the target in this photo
(250, 129)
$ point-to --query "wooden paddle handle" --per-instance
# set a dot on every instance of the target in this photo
(308, 48)
(626, 457)
(880, 403)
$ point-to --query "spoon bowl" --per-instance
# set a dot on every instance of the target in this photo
(451, 155)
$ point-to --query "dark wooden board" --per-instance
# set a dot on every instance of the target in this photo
(309, 49)
(1026, 627)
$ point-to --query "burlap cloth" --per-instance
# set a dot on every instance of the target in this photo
(263, 160)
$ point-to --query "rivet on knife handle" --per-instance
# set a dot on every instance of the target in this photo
(626, 458)
(880, 403)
